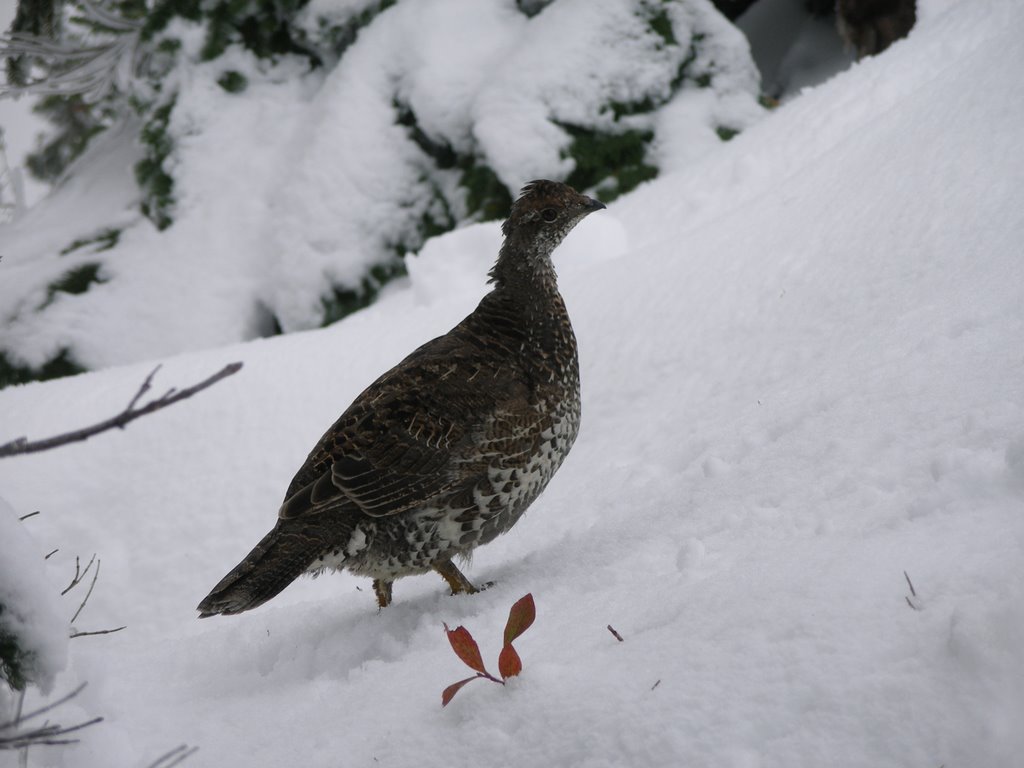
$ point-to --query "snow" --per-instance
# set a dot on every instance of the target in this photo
(801, 378)
(19, 127)
(31, 610)
(305, 180)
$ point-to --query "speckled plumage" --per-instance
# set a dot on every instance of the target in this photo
(447, 449)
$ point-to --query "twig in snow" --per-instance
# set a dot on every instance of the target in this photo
(144, 388)
(98, 632)
(44, 734)
(615, 634)
(78, 578)
(30, 514)
(79, 574)
(913, 593)
(22, 445)
(95, 575)
(176, 756)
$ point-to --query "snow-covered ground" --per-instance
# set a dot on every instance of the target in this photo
(802, 376)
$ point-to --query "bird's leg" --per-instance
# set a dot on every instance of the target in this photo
(456, 580)
(383, 590)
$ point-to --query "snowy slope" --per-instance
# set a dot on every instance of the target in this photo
(802, 377)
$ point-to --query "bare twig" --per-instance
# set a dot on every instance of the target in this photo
(913, 593)
(44, 734)
(656, 683)
(615, 634)
(22, 445)
(18, 709)
(51, 554)
(30, 514)
(78, 578)
(144, 388)
(23, 753)
(95, 575)
(44, 709)
(79, 574)
(177, 755)
(910, 584)
(98, 632)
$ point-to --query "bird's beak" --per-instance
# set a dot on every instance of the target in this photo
(593, 205)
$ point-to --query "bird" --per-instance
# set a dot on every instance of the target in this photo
(446, 450)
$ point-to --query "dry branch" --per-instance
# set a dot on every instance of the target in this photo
(98, 632)
(95, 576)
(910, 584)
(79, 574)
(12, 736)
(79, 577)
(174, 757)
(22, 445)
(913, 593)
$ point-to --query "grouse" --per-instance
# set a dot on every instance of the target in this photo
(447, 449)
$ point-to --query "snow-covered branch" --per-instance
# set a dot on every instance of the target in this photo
(70, 67)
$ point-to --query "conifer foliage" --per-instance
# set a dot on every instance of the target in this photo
(355, 132)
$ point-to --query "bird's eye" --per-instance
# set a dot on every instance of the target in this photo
(549, 215)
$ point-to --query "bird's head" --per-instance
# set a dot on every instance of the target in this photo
(547, 211)
(544, 214)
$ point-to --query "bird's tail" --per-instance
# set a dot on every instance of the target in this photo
(284, 554)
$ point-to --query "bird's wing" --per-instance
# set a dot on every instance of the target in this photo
(413, 434)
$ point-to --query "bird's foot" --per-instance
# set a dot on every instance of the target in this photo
(382, 589)
(457, 580)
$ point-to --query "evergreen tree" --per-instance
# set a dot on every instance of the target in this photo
(99, 65)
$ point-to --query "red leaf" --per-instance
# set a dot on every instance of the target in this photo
(520, 617)
(509, 663)
(449, 693)
(465, 648)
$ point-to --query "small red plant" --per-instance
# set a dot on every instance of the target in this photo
(520, 617)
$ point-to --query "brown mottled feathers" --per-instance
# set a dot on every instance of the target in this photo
(447, 449)
(396, 448)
